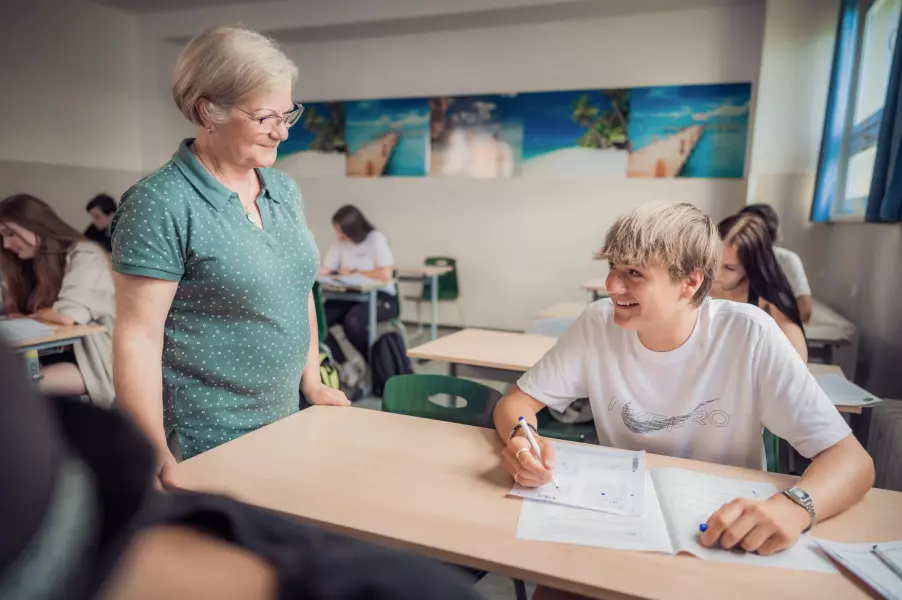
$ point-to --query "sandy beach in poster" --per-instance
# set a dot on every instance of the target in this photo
(689, 131)
(387, 137)
(316, 145)
(575, 134)
(475, 136)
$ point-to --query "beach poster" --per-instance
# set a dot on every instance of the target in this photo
(316, 144)
(689, 131)
(575, 134)
(476, 136)
(387, 137)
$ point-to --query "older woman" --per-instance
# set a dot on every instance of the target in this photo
(214, 263)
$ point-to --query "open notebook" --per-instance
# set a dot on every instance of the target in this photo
(354, 280)
(843, 392)
(861, 560)
(677, 501)
(19, 330)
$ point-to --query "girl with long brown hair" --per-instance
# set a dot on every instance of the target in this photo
(53, 274)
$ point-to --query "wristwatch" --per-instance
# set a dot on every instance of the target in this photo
(801, 497)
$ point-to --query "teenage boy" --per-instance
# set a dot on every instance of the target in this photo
(671, 371)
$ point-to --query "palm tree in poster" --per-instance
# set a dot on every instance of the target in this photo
(328, 130)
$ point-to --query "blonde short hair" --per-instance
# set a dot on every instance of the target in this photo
(677, 236)
(226, 65)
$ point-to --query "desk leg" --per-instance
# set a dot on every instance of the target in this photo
(374, 298)
(829, 354)
(452, 369)
(861, 426)
(433, 293)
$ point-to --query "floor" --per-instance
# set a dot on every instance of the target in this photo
(492, 586)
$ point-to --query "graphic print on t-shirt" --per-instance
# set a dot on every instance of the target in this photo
(647, 422)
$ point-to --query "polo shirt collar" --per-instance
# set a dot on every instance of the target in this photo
(210, 188)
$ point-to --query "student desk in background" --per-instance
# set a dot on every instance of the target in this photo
(363, 292)
(827, 332)
(422, 274)
(596, 287)
(438, 489)
(62, 336)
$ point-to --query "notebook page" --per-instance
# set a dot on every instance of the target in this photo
(843, 392)
(861, 560)
(688, 498)
(547, 522)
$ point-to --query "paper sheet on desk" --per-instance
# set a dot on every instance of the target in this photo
(843, 392)
(352, 280)
(17, 330)
(594, 477)
(860, 560)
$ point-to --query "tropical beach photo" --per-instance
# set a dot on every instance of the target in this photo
(316, 145)
(580, 133)
(689, 131)
(476, 136)
(387, 137)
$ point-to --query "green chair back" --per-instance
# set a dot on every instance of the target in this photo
(447, 284)
(772, 452)
(409, 395)
(322, 327)
(571, 432)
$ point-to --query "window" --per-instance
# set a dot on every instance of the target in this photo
(866, 38)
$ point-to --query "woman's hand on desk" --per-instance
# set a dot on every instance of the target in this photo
(523, 465)
(48, 315)
(167, 471)
(762, 526)
(322, 394)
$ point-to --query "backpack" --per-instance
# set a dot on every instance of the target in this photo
(329, 371)
(389, 359)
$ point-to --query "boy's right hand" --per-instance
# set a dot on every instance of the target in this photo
(523, 465)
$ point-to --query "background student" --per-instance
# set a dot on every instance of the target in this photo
(362, 249)
(53, 274)
(789, 261)
(749, 273)
(102, 209)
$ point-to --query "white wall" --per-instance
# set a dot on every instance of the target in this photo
(70, 85)
(520, 244)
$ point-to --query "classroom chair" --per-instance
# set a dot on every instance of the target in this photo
(410, 395)
(448, 289)
(569, 432)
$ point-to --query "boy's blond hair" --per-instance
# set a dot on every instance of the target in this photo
(679, 237)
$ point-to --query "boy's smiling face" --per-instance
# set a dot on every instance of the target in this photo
(647, 298)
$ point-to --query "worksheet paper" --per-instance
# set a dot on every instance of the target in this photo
(861, 560)
(843, 392)
(677, 501)
(19, 330)
(594, 477)
(354, 280)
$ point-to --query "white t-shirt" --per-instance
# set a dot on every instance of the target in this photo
(372, 253)
(707, 400)
(794, 270)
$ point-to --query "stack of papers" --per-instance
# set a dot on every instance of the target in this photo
(354, 280)
(843, 392)
(861, 560)
(674, 502)
(20, 330)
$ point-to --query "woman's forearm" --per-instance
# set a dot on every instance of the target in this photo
(138, 381)
(311, 376)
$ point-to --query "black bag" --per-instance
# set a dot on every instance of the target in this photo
(389, 359)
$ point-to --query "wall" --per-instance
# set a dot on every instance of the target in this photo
(72, 101)
(855, 268)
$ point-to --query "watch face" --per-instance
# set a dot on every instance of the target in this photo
(797, 493)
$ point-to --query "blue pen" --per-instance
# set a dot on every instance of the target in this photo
(703, 527)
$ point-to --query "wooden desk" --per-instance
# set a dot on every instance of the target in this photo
(596, 287)
(438, 489)
(562, 310)
(62, 336)
(432, 273)
(366, 292)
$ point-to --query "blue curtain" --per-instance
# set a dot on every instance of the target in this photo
(838, 98)
(885, 197)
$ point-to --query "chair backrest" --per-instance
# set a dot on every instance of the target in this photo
(410, 395)
(447, 284)
(322, 326)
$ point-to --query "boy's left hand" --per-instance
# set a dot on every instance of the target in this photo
(762, 526)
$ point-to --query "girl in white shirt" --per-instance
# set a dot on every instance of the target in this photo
(362, 249)
(669, 370)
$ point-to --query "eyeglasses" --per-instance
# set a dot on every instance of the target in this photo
(272, 121)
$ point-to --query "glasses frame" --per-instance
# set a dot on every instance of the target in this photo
(283, 119)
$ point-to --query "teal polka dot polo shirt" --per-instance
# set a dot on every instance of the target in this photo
(237, 333)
